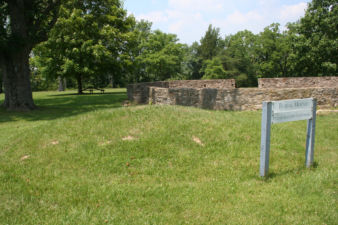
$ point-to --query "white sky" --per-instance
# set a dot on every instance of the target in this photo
(189, 19)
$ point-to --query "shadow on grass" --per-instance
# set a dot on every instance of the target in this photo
(55, 106)
(85, 94)
(270, 177)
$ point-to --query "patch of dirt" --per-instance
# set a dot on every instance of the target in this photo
(105, 143)
(325, 112)
(138, 107)
(128, 103)
(128, 138)
(135, 131)
(24, 157)
(55, 142)
(198, 141)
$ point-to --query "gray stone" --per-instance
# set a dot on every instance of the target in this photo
(217, 97)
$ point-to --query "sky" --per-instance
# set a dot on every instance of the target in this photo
(189, 19)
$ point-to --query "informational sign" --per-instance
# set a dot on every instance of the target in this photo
(291, 110)
(286, 111)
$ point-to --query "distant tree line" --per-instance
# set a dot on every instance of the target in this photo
(95, 43)
(308, 47)
(87, 47)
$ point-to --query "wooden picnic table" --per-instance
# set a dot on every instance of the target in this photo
(91, 89)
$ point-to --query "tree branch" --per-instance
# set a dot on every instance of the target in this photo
(51, 6)
(54, 8)
(45, 13)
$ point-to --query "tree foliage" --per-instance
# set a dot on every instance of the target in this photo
(241, 47)
(39, 18)
(272, 52)
(90, 39)
(314, 40)
(210, 43)
(162, 55)
(193, 62)
(142, 31)
(213, 69)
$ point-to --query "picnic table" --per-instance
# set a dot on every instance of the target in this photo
(91, 89)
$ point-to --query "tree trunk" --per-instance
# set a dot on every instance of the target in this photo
(111, 80)
(1, 91)
(60, 84)
(79, 84)
(16, 77)
(65, 81)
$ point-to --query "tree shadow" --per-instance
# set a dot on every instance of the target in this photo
(84, 94)
(58, 106)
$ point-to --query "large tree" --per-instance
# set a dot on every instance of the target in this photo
(1, 84)
(162, 55)
(210, 43)
(315, 45)
(193, 62)
(24, 24)
(91, 38)
(213, 69)
(272, 52)
(241, 46)
(142, 31)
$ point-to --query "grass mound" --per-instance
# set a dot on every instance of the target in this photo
(89, 160)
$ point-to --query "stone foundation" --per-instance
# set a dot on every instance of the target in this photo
(217, 83)
(139, 92)
(221, 94)
(298, 82)
(238, 99)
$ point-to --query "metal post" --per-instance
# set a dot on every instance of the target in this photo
(310, 136)
(265, 138)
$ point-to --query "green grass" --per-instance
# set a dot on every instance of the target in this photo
(83, 178)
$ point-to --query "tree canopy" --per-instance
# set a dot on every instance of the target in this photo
(314, 40)
(213, 69)
(272, 51)
(91, 38)
(210, 43)
(162, 54)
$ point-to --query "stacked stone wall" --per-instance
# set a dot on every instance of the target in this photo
(140, 92)
(238, 99)
(222, 94)
(217, 83)
(298, 82)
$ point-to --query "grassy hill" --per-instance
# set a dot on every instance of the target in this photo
(88, 160)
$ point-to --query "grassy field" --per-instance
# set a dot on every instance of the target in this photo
(88, 160)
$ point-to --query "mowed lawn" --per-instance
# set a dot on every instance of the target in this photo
(86, 159)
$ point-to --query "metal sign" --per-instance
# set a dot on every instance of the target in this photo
(286, 111)
(291, 110)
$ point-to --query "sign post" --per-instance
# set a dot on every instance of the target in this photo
(310, 137)
(286, 111)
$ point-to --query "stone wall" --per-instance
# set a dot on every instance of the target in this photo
(238, 99)
(217, 83)
(222, 94)
(298, 82)
(140, 92)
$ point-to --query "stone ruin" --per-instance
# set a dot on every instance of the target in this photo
(222, 94)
